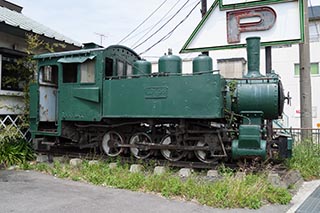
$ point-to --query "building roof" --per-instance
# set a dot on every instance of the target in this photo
(20, 21)
(314, 13)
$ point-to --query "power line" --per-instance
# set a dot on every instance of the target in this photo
(162, 25)
(143, 21)
(138, 33)
(171, 32)
(156, 24)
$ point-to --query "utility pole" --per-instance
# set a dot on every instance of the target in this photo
(203, 13)
(268, 59)
(203, 7)
(305, 80)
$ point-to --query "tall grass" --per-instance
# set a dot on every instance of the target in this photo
(306, 159)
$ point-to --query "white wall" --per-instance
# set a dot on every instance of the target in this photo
(11, 102)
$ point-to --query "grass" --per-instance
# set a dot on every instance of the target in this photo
(250, 191)
(306, 159)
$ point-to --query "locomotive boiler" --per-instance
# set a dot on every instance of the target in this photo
(110, 98)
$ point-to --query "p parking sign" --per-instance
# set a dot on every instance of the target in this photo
(229, 22)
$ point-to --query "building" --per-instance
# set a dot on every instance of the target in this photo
(13, 29)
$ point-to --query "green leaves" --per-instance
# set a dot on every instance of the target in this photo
(13, 149)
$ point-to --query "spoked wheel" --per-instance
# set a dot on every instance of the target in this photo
(140, 139)
(207, 156)
(171, 154)
(110, 142)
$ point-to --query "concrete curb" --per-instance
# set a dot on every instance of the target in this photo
(303, 193)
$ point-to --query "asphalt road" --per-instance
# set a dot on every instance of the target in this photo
(29, 191)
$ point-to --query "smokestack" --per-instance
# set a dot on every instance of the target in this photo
(253, 57)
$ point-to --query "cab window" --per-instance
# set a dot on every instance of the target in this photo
(108, 67)
(70, 71)
(87, 72)
(120, 68)
(49, 74)
(129, 70)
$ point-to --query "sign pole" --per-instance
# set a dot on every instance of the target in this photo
(305, 80)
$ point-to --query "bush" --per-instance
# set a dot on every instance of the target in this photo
(13, 148)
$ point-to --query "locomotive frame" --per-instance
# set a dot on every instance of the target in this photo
(108, 98)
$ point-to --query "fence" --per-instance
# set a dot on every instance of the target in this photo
(296, 133)
(14, 123)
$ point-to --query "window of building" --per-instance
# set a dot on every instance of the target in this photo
(109, 67)
(70, 71)
(13, 75)
(87, 72)
(314, 29)
(314, 69)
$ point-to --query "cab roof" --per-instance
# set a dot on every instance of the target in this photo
(83, 52)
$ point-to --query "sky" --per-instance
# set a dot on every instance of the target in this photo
(85, 21)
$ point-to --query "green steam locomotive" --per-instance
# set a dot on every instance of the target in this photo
(110, 98)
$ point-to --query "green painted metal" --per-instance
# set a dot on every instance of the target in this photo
(192, 96)
(34, 109)
(142, 67)
(202, 63)
(170, 64)
(253, 57)
(258, 95)
(249, 143)
(90, 94)
(76, 53)
(79, 59)
(80, 102)
(264, 44)
(252, 117)
(290, 142)
(249, 136)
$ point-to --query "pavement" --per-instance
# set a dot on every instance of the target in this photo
(30, 191)
(307, 199)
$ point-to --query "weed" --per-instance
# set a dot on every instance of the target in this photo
(306, 159)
